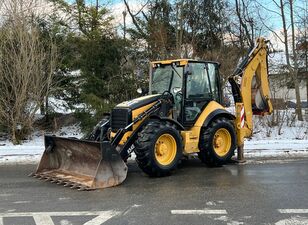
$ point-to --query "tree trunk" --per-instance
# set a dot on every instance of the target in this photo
(42, 107)
(298, 97)
(307, 87)
(13, 130)
(46, 109)
(306, 63)
(295, 58)
(306, 72)
(179, 28)
(292, 70)
(243, 24)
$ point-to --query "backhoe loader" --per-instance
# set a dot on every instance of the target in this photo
(181, 115)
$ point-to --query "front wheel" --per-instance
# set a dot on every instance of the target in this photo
(158, 148)
(217, 142)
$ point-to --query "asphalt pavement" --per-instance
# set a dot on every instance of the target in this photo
(256, 193)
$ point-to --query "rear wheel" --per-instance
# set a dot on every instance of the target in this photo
(158, 148)
(217, 142)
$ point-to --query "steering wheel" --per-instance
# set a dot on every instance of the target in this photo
(168, 95)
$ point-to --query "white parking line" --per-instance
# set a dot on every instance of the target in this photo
(76, 213)
(44, 218)
(199, 212)
(100, 219)
(293, 211)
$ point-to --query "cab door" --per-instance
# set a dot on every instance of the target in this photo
(201, 86)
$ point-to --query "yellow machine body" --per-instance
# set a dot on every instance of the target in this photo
(155, 126)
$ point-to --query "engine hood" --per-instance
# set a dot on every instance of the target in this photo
(138, 102)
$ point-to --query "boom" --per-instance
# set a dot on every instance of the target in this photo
(250, 89)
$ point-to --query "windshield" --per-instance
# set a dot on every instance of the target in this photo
(166, 78)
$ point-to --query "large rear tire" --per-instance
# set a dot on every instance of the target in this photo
(158, 148)
(217, 142)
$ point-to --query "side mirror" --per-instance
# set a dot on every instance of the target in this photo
(142, 91)
(187, 70)
(139, 90)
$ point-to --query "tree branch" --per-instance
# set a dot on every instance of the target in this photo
(134, 19)
(244, 25)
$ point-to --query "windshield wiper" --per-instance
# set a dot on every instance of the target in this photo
(175, 71)
(171, 79)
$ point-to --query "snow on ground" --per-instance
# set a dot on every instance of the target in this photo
(30, 151)
(272, 148)
(291, 140)
(61, 106)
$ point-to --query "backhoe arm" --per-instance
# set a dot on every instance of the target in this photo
(250, 88)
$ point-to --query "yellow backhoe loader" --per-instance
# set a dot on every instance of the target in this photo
(181, 115)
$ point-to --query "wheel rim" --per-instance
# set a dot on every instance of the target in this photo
(165, 149)
(222, 142)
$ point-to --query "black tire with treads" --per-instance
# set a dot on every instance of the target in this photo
(207, 152)
(145, 148)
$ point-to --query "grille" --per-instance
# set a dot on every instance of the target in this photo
(120, 118)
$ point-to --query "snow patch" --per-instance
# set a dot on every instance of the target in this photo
(267, 142)
(228, 220)
(210, 203)
(30, 151)
(294, 220)
(65, 222)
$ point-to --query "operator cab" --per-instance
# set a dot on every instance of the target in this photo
(192, 83)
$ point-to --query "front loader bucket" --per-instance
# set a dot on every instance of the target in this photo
(85, 165)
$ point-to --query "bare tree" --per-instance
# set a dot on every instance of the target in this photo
(303, 39)
(246, 32)
(179, 26)
(293, 69)
(24, 79)
(288, 38)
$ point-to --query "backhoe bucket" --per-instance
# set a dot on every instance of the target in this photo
(85, 165)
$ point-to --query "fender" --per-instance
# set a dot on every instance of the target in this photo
(124, 150)
(217, 113)
(179, 126)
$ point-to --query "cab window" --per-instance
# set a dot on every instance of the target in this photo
(198, 82)
(202, 86)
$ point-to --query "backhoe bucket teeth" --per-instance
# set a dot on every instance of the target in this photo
(84, 165)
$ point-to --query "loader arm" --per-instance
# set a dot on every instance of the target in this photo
(85, 164)
(250, 89)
